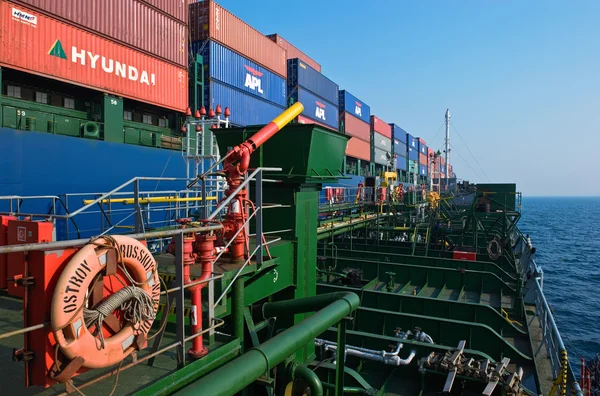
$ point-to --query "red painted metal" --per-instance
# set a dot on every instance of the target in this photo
(380, 126)
(358, 149)
(21, 232)
(177, 9)
(422, 141)
(356, 127)
(460, 255)
(305, 120)
(4, 241)
(57, 50)
(430, 152)
(293, 52)
(422, 159)
(130, 22)
(208, 20)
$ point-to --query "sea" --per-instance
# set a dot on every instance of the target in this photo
(566, 234)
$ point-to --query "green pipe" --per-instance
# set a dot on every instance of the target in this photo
(238, 309)
(347, 389)
(307, 304)
(311, 379)
(243, 371)
(342, 230)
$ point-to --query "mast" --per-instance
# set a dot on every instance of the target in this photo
(447, 144)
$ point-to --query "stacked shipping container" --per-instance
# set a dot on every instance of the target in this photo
(422, 157)
(354, 121)
(293, 52)
(381, 141)
(317, 93)
(399, 149)
(97, 52)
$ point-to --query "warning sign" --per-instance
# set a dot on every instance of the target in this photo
(21, 234)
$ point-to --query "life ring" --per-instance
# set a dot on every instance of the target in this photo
(136, 268)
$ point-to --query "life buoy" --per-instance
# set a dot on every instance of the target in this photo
(136, 281)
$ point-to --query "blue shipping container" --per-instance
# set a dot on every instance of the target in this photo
(422, 148)
(245, 109)
(316, 108)
(350, 104)
(413, 154)
(422, 170)
(401, 163)
(398, 133)
(299, 73)
(412, 142)
(400, 148)
(229, 67)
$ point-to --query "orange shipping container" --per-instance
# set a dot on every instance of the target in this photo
(208, 20)
(293, 52)
(358, 149)
(422, 159)
(35, 43)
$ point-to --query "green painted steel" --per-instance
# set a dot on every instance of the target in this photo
(112, 116)
(244, 370)
(310, 304)
(305, 152)
(309, 376)
(501, 196)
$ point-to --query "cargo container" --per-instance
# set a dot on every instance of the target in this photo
(398, 133)
(355, 127)
(413, 154)
(382, 142)
(422, 170)
(401, 163)
(400, 148)
(381, 157)
(231, 68)
(208, 20)
(422, 147)
(178, 9)
(378, 125)
(301, 74)
(412, 142)
(422, 159)
(430, 153)
(316, 108)
(245, 109)
(62, 52)
(350, 104)
(305, 120)
(153, 32)
(293, 52)
(358, 149)
(413, 166)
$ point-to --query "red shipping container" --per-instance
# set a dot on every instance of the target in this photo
(380, 126)
(354, 126)
(358, 149)
(178, 9)
(53, 49)
(423, 159)
(293, 52)
(208, 20)
(305, 120)
(422, 142)
(430, 152)
(129, 22)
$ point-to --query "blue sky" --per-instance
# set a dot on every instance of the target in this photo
(521, 78)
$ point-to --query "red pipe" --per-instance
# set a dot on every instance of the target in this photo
(589, 383)
(582, 377)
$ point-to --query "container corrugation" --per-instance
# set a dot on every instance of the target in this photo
(350, 104)
(381, 156)
(412, 142)
(401, 163)
(422, 147)
(422, 159)
(382, 142)
(231, 68)
(353, 126)
(178, 9)
(208, 20)
(413, 154)
(305, 120)
(245, 109)
(128, 22)
(430, 152)
(316, 108)
(358, 148)
(378, 125)
(293, 52)
(422, 170)
(398, 133)
(50, 46)
(301, 74)
(400, 148)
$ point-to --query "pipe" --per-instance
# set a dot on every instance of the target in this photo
(141, 201)
(303, 305)
(244, 370)
(311, 379)
(390, 358)
(347, 389)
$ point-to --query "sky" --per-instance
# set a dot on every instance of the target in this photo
(521, 78)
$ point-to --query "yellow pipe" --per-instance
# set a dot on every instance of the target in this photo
(130, 201)
(284, 118)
